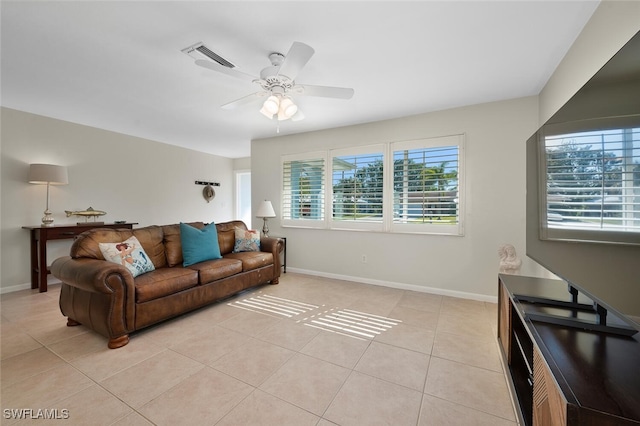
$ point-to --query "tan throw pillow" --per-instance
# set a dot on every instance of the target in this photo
(246, 240)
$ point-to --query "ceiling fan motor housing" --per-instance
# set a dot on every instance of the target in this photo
(269, 79)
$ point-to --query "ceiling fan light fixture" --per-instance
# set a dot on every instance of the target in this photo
(271, 105)
(287, 108)
(266, 113)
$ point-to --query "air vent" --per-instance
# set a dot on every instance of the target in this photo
(198, 50)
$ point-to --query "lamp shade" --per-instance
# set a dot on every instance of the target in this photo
(287, 109)
(271, 105)
(48, 173)
(265, 210)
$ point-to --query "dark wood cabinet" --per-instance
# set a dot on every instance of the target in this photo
(561, 370)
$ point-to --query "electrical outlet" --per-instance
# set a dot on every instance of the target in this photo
(364, 258)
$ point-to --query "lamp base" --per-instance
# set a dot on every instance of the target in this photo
(265, 228)
(47, 219)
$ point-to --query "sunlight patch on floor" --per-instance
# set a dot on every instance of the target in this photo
(351, 323)
(347, 322)
(265, 303)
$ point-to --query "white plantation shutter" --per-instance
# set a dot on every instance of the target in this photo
(303, 190)
(410, 186)
(357, 188)
(427, 185)
(357, 182)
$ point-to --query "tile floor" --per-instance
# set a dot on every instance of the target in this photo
(309, 351)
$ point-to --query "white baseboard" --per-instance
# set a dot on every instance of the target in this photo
(13, 288)
(401, 286)
(51, 280)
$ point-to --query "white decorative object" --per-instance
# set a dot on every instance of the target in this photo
(509, 262)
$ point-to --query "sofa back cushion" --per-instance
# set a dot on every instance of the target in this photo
(161, 243)
(227, 235)
(172, 244)
(150, 237)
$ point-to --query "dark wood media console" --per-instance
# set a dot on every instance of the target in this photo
(576, 368)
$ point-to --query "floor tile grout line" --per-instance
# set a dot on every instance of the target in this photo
(298, 351)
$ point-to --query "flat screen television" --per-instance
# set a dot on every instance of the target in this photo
(583, 187)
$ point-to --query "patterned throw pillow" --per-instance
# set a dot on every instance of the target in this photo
(129, 254)
(246, 240)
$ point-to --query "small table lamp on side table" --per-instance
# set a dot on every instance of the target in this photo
(265, 210)
(48, 174)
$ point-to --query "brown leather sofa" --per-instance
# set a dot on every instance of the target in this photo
(105, 296)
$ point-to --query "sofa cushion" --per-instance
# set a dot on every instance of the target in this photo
(150, 237)
(212, 270)
(227, 235)
(163, 282)
(128, 253)
(246, 240)
(172, 244)
(199, 245)
(252, 259)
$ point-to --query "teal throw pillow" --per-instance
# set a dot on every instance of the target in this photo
(199, 245)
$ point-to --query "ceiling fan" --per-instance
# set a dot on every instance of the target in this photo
(277, 82)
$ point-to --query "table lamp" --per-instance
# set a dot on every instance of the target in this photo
(51, 175)
(265, 210)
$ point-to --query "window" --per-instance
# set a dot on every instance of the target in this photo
(410, 186)
(303, 190)
(357, 182)
(426, 184)
(243, 196)
(593, 180)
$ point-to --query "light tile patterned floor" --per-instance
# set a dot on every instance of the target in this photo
(309, 351)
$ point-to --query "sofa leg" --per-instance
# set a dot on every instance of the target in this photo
(72, 322)
(275, 281)
(118, 342)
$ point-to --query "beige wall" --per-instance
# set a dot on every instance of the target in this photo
(495, 203)
(130, 178)
(610, 27)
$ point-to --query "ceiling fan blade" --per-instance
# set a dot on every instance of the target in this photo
(322, 91)
(225, 70)
(297, 57)
(245, 100)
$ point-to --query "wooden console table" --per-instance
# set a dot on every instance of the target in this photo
(41, 234)
(563, 366)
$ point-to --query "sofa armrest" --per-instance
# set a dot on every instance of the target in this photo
(274, 246)
(93, 275)
(97, 292)
(271, 244)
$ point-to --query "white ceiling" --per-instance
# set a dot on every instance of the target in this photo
(119, 66)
